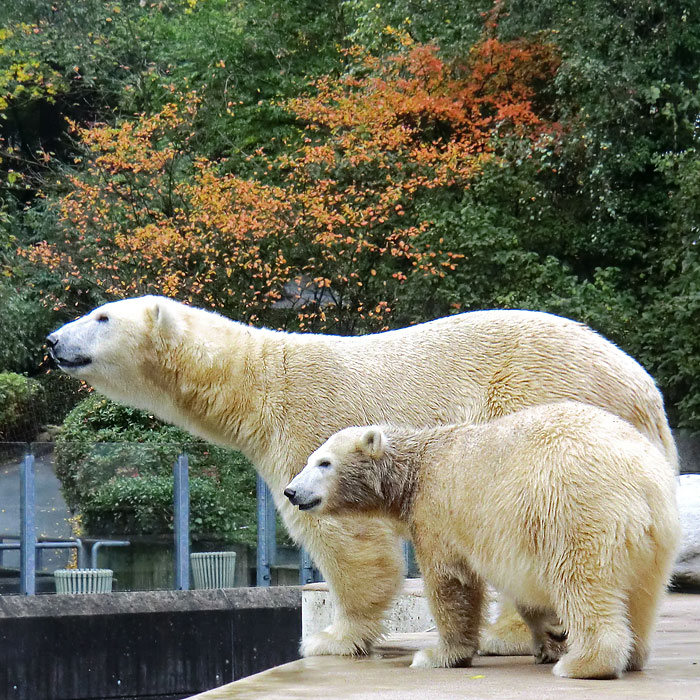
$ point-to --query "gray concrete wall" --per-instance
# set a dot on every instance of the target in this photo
(165, 644)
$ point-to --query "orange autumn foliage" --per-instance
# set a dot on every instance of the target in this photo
(329, 230)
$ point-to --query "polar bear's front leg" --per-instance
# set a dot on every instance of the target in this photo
(456, 599)
(362, 561)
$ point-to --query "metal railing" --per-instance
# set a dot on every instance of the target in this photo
(29, 545)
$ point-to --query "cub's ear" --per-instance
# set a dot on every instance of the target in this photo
(373, 442)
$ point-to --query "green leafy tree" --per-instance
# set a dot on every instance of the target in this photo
(595, 219)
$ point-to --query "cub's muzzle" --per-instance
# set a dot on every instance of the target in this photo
(291, 494)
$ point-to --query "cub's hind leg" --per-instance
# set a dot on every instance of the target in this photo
(643, 607)
(548, 633)
(599, 637)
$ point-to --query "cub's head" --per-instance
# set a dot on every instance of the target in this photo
(114, 347)
(342, 475)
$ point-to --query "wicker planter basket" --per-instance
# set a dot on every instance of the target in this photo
(213, 569)
(77, 581)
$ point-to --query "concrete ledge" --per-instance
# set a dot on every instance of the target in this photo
(408, 613)
(148, 602)
(163, 645)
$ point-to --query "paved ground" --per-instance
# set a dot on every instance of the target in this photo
(673, 673)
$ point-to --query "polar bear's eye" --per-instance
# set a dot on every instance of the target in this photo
(102, 318)
(324, 463)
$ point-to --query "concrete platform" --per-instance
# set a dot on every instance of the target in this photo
(673, 672)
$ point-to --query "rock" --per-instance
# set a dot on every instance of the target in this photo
(686, 572)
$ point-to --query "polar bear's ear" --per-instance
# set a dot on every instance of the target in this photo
(373, 442)
(163, 318)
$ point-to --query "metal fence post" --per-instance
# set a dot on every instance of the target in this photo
(407, 555)
(181, 508)
(267, 526)
(307, 572)
(27, 510)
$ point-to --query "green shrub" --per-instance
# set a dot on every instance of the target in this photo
(115, 466)
(144, 505)
(61, 393)
(21, 402)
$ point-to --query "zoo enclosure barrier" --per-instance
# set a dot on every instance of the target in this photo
(30, 545)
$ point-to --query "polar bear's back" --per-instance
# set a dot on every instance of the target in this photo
(569, 446)
(480, 365)
(547, 481)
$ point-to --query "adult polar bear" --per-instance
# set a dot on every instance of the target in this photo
(278, 396)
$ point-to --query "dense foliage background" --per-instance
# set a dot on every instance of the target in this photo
(352, 165)
(115, 464)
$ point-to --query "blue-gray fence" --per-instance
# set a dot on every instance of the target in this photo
(29, 544)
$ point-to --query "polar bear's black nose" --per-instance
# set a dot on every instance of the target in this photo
(290, 494)
(52, 340)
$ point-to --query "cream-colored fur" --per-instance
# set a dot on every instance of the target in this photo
(564, 507)
(277, 396)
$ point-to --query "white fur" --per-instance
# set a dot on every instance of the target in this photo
(277, 396)
(564, 507)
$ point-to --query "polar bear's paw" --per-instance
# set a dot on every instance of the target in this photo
(551, 644)
(333, 642)
(550, 649)
(638, 657)
(571, 666)
(426, 658)
(508, 636)
(437, 657)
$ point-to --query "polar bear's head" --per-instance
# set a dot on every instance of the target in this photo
(114, 347)
(342, 474)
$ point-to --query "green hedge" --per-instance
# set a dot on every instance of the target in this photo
(21, 401)
(115, 467)
(144, 505)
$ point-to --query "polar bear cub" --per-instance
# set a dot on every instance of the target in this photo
(564, 507)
